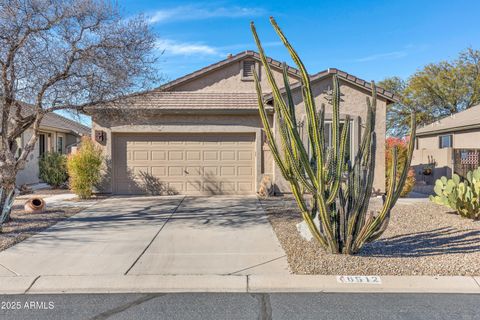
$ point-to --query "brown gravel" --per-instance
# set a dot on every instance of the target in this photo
(24, 225)
(422, 239)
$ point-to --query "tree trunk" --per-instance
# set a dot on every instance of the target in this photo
(8, 174)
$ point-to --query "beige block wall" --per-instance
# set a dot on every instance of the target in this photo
(229, 79)
(352, 103)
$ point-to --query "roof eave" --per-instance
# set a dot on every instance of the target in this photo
(447, 130)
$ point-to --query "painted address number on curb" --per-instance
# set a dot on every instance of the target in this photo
(359, 279)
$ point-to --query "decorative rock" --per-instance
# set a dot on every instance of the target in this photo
(305, 231)
(35, 205)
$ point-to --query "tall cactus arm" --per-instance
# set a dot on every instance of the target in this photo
(278, 99)
(372, 224)
(291, 105)
(294, 165)
(268, 130)
(340, 162)
(408, 159)
(335, 121)
(308, 96)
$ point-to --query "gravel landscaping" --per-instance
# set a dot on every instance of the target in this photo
(23, 225)
(422, 239)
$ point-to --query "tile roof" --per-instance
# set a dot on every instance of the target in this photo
(56, 121)
(347, 77)
(463, 120)
(239, 56)
(185, 100)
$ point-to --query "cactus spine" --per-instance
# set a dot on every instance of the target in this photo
(339, 190)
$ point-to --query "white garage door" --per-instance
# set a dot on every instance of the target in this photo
(193, 163)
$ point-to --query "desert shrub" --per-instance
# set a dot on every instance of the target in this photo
(462, 195)
(84, 168)
(53, 169)
(402, 146)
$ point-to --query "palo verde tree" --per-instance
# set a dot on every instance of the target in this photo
(339, 190)
(62, 55)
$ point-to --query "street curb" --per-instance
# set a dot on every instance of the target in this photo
(138, 284)
(229, 283)
(390, 284)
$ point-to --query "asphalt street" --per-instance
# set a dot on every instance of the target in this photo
(223, 306)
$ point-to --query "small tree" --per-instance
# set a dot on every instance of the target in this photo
(53, 169)
(63, 54)
(402, 152)
(84, 168)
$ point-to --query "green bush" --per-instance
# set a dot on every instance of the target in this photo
(461, 196)
(53, 169)
(84, 168)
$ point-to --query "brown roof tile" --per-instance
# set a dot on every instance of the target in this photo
(186, 100)
(464, 120)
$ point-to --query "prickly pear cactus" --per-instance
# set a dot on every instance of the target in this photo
(461, 196)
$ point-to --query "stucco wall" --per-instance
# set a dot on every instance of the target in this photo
(155, 122)
(468, 139)
(442, 159)
(229, 79)
(352, 103)
(30, 173)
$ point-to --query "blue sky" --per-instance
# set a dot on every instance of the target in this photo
(370, 39)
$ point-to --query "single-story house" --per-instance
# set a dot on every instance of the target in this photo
(57, 134)
(451, 144)
(202, 134)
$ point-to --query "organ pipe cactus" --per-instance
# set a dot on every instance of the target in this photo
(331, 192)
(461, 196)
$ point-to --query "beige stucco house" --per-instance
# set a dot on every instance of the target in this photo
(449, 145)
(57, 134)
(202, 134)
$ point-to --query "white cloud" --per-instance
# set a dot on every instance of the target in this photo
(173, 47)
(191, 12)
(383, 56)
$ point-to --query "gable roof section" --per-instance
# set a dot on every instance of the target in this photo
(387, 95)
(56, 121)
(186, 100)
(463, 120)
(239, 56)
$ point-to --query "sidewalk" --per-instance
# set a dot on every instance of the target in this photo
(213, 283)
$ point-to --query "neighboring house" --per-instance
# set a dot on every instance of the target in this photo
(57, 134)
(449, 145)
(202, 134)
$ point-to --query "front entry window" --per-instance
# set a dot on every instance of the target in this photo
(41, 145)
(60, 144)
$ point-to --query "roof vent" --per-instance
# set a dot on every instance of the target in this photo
(248, 68)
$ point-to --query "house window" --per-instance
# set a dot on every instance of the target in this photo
(445, 141)
(248, 69)
(41, 144)
(60, 144)
(329, 132)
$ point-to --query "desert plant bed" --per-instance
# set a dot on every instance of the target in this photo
(423, 238)
(24, 225)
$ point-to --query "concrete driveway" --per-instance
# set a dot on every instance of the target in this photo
(154, 235)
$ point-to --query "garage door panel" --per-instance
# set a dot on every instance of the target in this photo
(185, 163)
